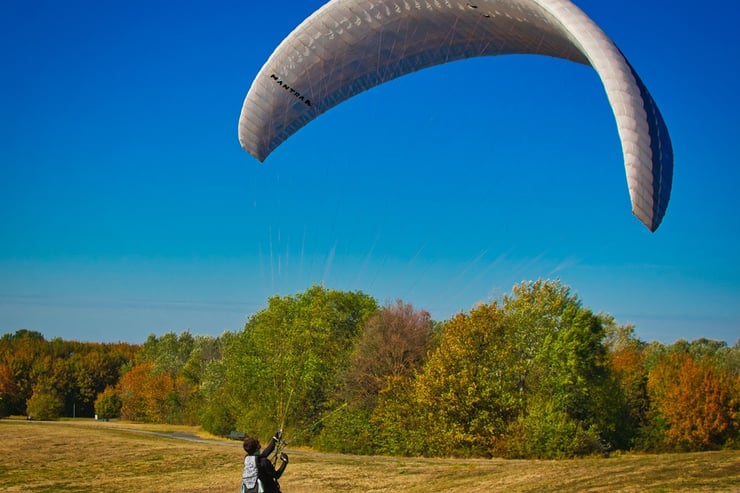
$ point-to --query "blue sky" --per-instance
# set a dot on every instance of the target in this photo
(127, 206)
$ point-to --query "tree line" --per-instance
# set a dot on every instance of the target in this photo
(48, 379)
(534, 374)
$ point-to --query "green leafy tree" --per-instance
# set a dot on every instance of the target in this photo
(217, 408)
(205, 349)
(571, 406)
(286, 363)
(169, 353)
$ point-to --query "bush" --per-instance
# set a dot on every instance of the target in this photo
(347, 431)
(552, 434)
(44, 405)
(108, 404)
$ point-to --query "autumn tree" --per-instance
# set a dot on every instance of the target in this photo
(19, 353)
(466, 393)
(163, 386)
(170, 369)
(392, 344)
(627, 357)
(695, 402)
(528, 377)
(8, 391)
(148, 395)
(131, 389)
(72, 371)
(94, 368)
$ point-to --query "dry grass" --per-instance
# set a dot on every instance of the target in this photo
(114, 457)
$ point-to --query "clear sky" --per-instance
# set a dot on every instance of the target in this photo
(127, 206)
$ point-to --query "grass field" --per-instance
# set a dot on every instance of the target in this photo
(85, 455)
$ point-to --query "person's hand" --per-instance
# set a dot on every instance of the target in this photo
(284, 457)
(278, 435)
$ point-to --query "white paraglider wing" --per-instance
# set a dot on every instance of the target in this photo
(349, 46)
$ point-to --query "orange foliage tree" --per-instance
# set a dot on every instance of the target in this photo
(153, 396)
(131, 389)
(697, 400)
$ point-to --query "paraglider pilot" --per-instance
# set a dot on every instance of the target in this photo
(259, 474)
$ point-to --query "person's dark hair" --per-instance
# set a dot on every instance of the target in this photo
(251, 445)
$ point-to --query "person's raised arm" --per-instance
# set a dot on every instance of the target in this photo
(271, 446)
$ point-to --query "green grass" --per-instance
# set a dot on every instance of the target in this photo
(84, 455)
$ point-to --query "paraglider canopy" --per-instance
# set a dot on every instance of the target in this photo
(349, 46)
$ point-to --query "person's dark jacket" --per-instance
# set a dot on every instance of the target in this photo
(266, 472)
